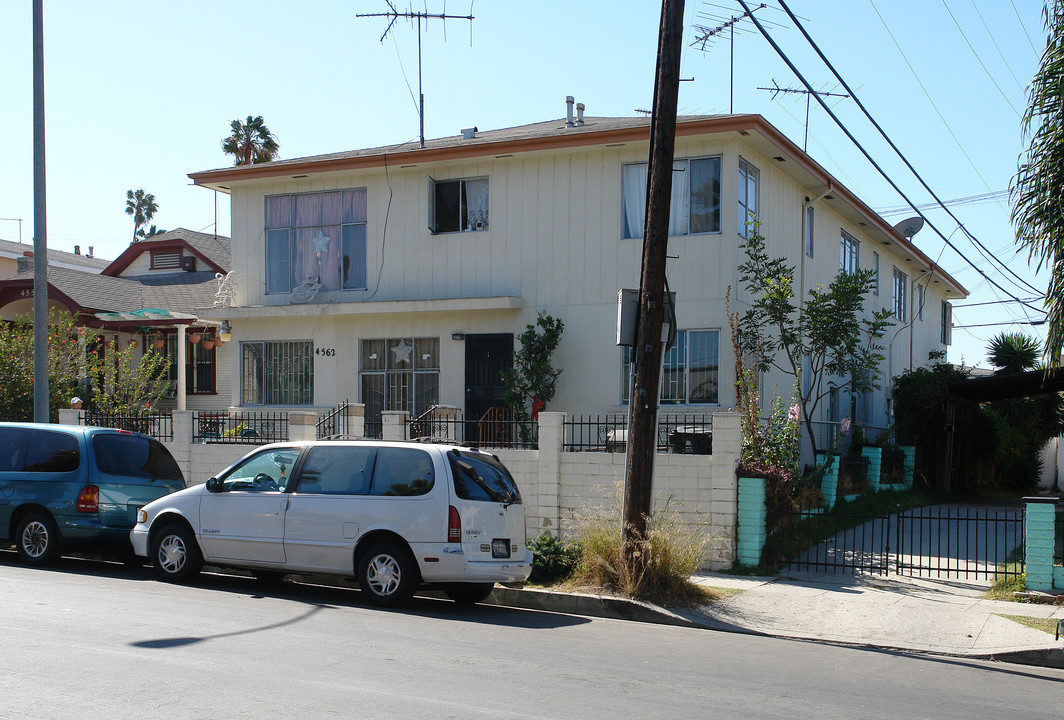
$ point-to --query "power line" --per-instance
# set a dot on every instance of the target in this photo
(969, 200)
(986, 253)
(787, 60)
(970, 47)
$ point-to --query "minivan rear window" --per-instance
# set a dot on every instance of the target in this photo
(134, 456)
(54, 452)
(478, 476)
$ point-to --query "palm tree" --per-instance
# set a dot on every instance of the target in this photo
(142, 207)
(1039, 184)
(1013, 353)
(150, 233)
(250, 142)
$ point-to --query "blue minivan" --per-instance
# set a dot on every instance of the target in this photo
(66, 487)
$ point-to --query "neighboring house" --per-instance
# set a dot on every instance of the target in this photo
(399, 277)
(154, 292)
(17, 256)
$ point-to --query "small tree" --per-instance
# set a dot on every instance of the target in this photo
(123, 387)
(828, 328)
(531, 382)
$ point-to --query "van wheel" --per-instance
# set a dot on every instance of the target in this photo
(388, 575)
(175, 554)
(37, 539)
(469, 593)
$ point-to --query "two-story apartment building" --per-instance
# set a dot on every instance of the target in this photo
(400, 276)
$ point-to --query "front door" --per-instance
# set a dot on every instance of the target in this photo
(486, 357)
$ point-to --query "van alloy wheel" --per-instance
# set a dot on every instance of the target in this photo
(388, 574)
(175, 555)
(37, 539)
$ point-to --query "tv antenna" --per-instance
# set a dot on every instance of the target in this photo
(707, 34)
(411, 15)
(776, 90)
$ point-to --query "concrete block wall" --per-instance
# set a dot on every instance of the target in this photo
(1039, 543)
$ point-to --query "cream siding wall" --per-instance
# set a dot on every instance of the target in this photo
(554, 241)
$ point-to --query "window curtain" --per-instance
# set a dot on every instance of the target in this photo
(476, 204)
(680, 203)
(634, 185)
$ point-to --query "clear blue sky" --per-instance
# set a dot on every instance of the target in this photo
(140, 94)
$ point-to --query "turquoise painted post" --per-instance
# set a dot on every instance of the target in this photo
(829, 485)
(1038, 542)
(752, 532)
(909, 467)
(875, 465)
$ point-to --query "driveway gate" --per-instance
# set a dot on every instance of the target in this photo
(945, 541)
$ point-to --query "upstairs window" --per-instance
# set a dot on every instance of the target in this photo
(809, 214)
(919, 310)
(875, 273)
(458, 205)
(901, 280)
(694, 206)
(318, 237)
(690, 369)
(947, 323)
(748, 200)
(848, 248)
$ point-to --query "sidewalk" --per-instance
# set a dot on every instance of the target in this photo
(942, 617)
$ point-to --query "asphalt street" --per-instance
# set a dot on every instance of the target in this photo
(96, 640)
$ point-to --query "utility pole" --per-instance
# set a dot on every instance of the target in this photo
(776, 90)
(419, 16)
(40, 227)
(643, 427)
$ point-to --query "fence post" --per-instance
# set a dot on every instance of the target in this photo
(909, 467)
(356, 419)
(875, 465)
(551, 445)
(829, 485)
(752, 532)
(444, 421)
(1038, 542)
(394, 424)
(302, 425)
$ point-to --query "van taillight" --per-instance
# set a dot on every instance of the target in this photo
(89, 499)
(454, 525)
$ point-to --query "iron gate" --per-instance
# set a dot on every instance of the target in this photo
(946, 541)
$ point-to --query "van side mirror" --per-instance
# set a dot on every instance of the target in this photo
(214, 485)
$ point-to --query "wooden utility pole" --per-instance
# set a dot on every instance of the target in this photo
(40, 227)
(643, 428)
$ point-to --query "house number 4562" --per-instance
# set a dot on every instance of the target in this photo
(325, 352)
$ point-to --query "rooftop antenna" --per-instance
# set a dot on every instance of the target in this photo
(776, 90)
(394, 15)
(19, 221)
(706, 35)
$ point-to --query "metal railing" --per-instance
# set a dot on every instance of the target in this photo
(156, 424)
(333, 424)
(495, 429)
(244, 428)
(691, 434)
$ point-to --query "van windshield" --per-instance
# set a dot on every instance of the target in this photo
(478, 476)
(134, 456)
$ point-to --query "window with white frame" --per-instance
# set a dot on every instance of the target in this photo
(947, 323)
(690, 369)
(875, 273)
(748, 200)
(399, 374)
(901, 280)
(848, 252)
(809, 230)
(318, 235)
(458, 205)
(277, 372)
(919, 301)
(694, 207)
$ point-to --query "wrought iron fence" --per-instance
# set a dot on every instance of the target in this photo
(158, 425)
(335, 423)
(609, 433)
(244, 428)
(493, 430)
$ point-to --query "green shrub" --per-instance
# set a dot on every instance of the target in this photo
(554, 560)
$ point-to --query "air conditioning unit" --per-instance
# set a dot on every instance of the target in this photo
(188, 263)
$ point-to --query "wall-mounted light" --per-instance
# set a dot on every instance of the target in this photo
(458, 336)
(226, 332)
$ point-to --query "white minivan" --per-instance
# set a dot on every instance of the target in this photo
(392, 515)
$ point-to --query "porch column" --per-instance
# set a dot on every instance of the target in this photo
(181, 367)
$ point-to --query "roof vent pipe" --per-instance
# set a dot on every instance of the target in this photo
(77, 249)
(580, 113)
(90, 251)
(569, 111)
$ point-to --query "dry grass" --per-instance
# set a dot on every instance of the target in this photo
(1046, 625)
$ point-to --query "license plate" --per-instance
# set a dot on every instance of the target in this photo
(500, 548)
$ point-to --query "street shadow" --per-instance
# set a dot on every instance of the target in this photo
(85, 564)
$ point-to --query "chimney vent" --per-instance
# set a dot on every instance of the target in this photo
(24, 263)
(580, 113)
(569, 111)
(469, 133)
(77, 249)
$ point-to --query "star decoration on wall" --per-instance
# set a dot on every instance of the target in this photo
(402, 352)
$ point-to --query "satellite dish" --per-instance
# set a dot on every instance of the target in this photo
(908, 228)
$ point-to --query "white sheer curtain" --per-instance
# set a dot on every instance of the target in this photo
(681, 198)
(476, 204)
(634, 186)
